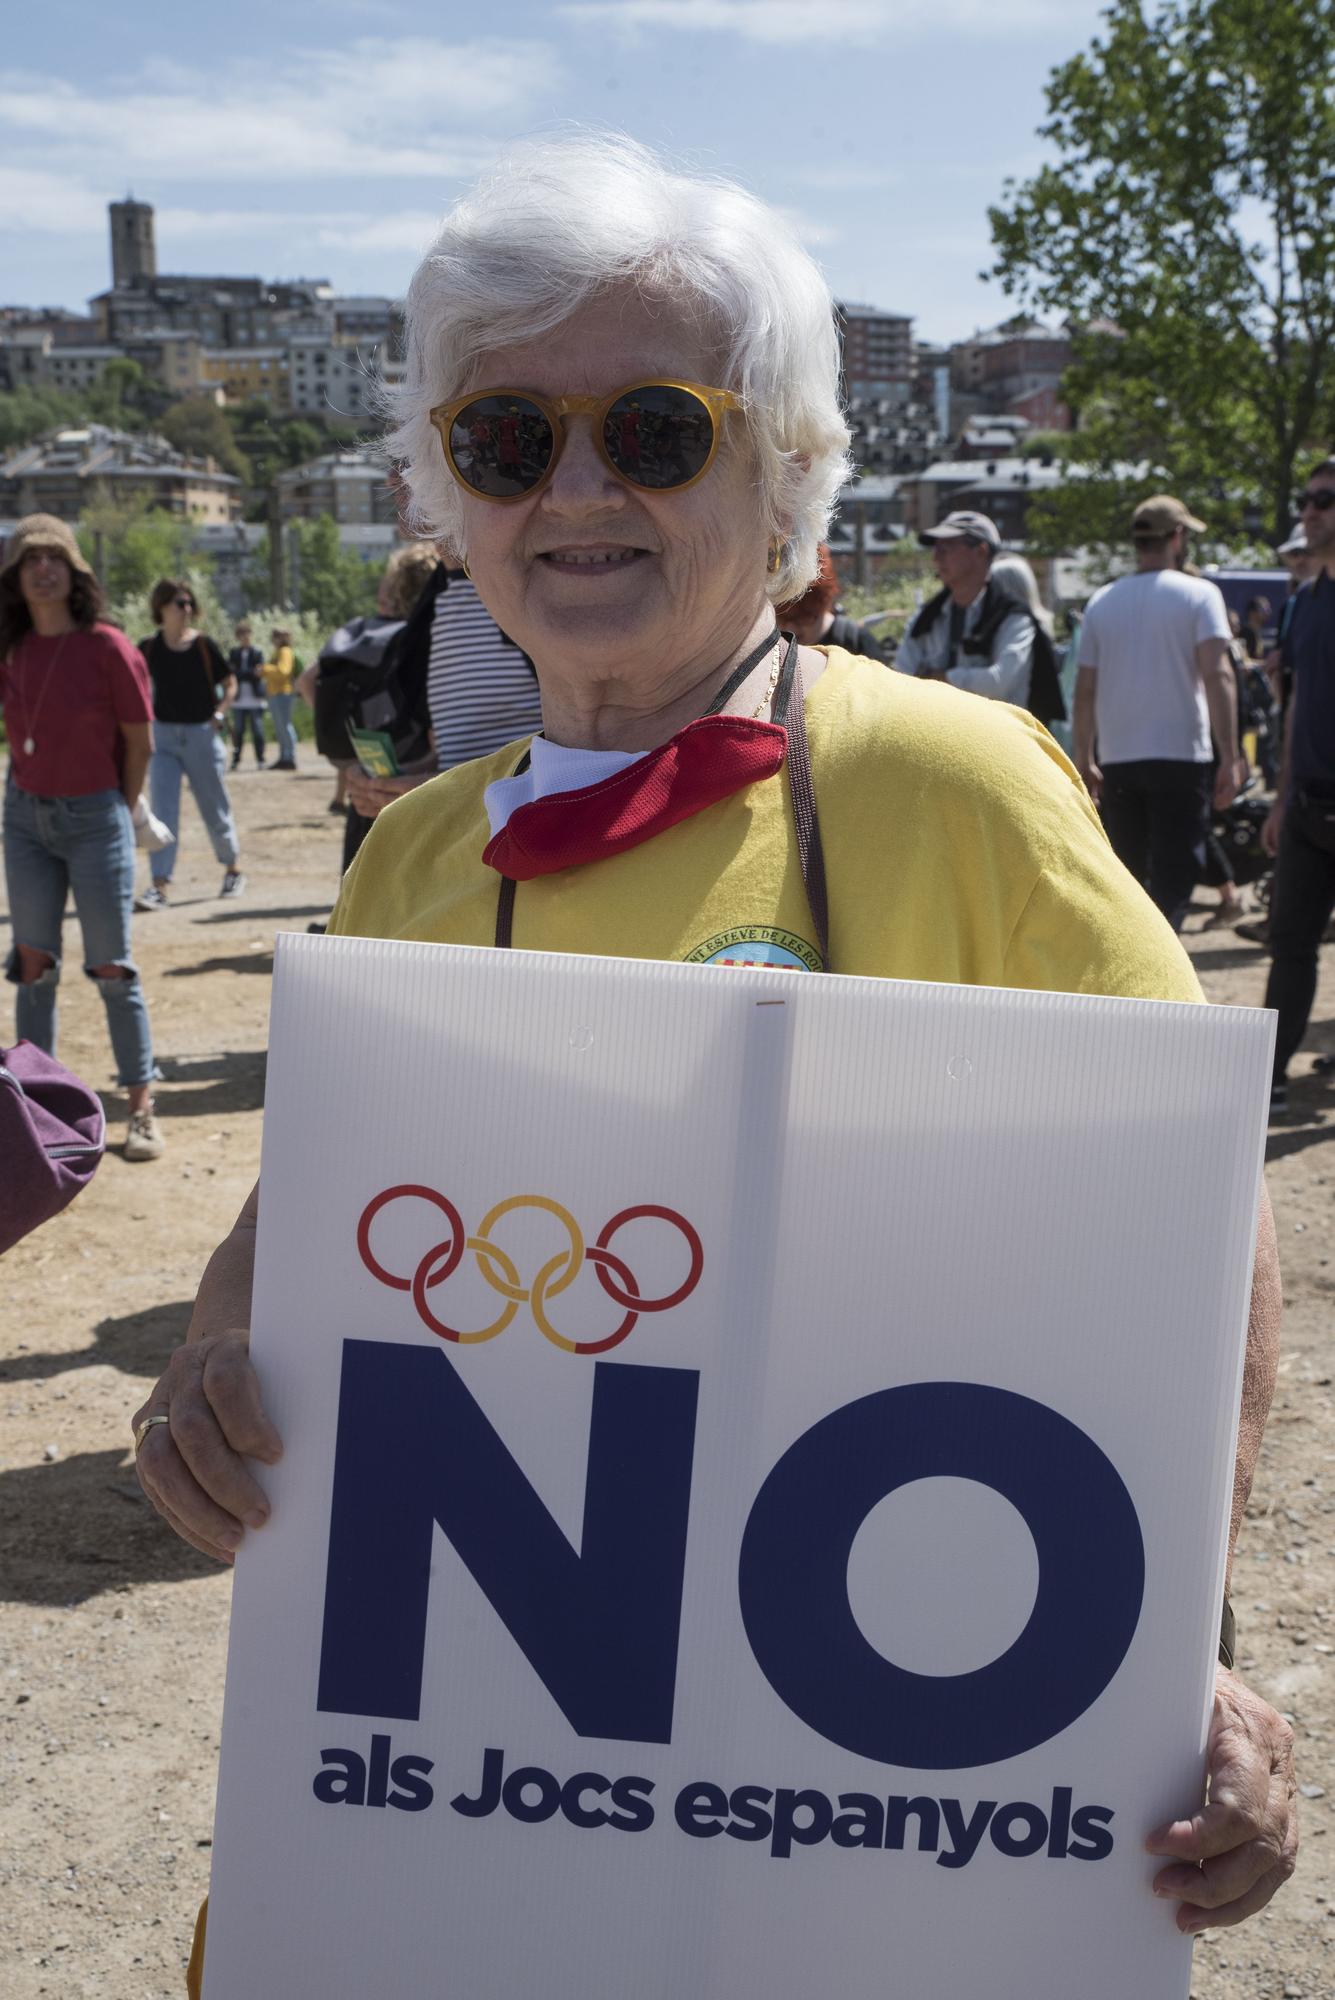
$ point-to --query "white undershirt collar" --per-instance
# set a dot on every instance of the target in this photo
(552, 767)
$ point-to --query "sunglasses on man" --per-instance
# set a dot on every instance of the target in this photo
(1320, 497)
(659, 436)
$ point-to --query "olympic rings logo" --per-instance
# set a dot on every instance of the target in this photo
(498, 1268)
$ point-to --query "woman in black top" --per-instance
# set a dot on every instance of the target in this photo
(189, 677)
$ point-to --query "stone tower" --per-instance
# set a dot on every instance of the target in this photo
(133, 256)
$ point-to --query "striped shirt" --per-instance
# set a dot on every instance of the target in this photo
(481, 691)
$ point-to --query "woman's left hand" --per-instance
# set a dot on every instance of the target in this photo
(1234, 1853)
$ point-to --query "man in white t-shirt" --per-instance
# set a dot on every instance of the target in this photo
(1155, 686)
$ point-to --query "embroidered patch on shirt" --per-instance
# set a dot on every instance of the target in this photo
(757, 945)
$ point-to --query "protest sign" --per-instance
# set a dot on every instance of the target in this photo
(758, 1452)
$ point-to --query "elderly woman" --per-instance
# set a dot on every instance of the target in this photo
(622, 409)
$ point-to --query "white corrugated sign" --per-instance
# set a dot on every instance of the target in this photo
(758, 1456)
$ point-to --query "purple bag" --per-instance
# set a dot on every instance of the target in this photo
(52, 1135)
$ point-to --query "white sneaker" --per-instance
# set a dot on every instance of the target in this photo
(233, 882)
(144, 1140)
(152, 898)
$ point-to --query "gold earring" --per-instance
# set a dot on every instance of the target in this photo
(463, 564)
(774, 560)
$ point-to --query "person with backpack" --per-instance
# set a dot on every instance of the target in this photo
(371, 676)
(973, 634)
(192, 684)
(280, 673)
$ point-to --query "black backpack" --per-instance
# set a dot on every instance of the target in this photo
(352, 668)
(373, 674)
(1046, 703)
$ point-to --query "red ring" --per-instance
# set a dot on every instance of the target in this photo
(598, 1257)
(447, 1209)
(683, 1291)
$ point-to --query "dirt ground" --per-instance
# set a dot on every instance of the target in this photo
(113, 1633)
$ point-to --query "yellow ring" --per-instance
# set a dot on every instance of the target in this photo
(513, 1291)
(483, 1248)
(537, 1303)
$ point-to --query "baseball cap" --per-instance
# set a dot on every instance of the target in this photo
(1296, 545)
(1162, 515)
(963, 526)
(43, 531)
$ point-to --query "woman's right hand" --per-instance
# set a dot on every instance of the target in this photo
(193, 1467)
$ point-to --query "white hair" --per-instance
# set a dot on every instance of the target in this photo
(560, 223)
(1017, 583)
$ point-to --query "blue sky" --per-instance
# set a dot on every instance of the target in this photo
(325, 139)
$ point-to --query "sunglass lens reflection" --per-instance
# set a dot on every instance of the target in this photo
(658, 436)
(501, 445)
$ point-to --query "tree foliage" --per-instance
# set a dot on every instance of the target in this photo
(131, 545)
(1186, 230)
(198, 427)
(325, 581)
(27, 414)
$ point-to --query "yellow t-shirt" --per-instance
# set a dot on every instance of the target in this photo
(280, 672)
(959, 846)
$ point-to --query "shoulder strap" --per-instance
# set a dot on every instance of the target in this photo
(929, 614)
(810, 852)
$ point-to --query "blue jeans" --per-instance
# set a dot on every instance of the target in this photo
(240, 718)
(84, 845)
(280, 714)
(193, 750)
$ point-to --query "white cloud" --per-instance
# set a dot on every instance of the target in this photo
(376, 109)
(55, 204)
(788, 22)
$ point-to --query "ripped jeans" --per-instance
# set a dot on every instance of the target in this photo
(84, 845)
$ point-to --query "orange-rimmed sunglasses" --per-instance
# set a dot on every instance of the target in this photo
(661, 436)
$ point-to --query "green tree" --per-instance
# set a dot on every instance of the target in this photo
(131, 545)
(326, 582)
(301, 440)
(197, 426)
(331, 582)
(27, 414)
(126, 397)
(1186, 230)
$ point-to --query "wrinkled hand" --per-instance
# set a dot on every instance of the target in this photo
(1234, 1853)
(1229, 781)
(370, 796)
(193, 1469)
(1270, 829)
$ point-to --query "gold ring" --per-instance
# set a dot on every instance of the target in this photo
(142, 1430)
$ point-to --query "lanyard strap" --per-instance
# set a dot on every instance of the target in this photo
(810, 852)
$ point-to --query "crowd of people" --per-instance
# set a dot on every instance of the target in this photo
(605, 570)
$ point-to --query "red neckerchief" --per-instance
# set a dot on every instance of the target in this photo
(708, 760)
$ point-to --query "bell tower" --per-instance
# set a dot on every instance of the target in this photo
(134, 258)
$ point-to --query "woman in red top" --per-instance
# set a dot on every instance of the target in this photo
(79, 720)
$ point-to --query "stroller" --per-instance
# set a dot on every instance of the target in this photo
(1233, 850)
